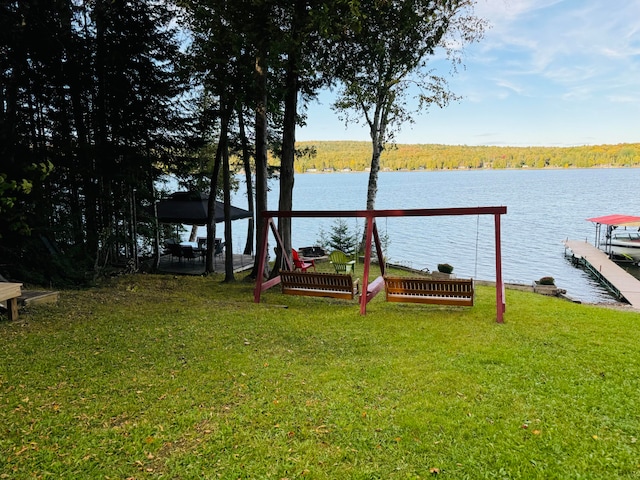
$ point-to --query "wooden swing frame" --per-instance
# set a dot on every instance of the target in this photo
(371, 289)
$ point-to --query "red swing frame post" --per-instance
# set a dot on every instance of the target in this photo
(371, 235)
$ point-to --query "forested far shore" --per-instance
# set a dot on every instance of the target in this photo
(356, 156)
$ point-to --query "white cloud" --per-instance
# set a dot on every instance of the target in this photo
(572, 74)
(626, 99)
(548, 72)
(578, 93)
(505, 12)
(510, 86)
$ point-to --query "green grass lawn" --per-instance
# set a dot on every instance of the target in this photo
(186, 378)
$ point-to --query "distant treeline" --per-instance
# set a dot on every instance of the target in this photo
(337, 156)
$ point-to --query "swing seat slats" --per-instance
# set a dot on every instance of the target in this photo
(455, 291)
(316, 284)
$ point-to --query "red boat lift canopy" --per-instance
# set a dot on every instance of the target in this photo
(617, 220)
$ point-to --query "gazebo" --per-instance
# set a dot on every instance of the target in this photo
(191, 208)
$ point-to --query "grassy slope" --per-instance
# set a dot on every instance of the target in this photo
(165, 377)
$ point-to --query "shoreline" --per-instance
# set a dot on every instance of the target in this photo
(465, 169)
(345, 156)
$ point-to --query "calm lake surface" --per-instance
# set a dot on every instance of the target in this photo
(544, 207)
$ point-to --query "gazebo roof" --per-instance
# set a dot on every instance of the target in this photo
(191, 208)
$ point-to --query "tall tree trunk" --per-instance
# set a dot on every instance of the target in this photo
(94, 173)
(156, 229)
(193, 235)
(372, 185)
(79, 113)
(246, 162)
(211, 204)
(289, 130)
(261, 155)
(377, 132)
(228, 237)
(226, 109)
(285, 202)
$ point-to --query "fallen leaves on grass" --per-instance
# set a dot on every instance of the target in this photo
(322, 429)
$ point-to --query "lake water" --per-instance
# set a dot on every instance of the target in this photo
(544, 207)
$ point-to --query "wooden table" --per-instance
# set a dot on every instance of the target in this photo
(10, 292)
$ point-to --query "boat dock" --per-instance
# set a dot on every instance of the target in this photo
(622, 284)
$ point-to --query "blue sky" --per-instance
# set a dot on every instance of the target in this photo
(547, 73)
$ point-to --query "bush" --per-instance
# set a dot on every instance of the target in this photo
(445, 268)
(339, 238)
(547, 281)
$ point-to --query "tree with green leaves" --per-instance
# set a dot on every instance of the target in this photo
(340, 237)
(309, 29)
(387, 59)
(268, 55)
(88, 93)
(29, 73)
(220, 57)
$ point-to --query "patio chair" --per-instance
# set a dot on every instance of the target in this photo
(341, 263)
(166, 249)
(175, 250)
(300, 264)
(188, 252)
(219, 249)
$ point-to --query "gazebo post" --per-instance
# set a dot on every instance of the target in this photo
(500, 300)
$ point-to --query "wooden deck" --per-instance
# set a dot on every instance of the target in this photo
(196, 266)
(621, 283)
(33, 297)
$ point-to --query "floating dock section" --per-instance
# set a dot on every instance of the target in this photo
(622, 284)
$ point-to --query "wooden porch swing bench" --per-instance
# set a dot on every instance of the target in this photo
(317, 284)
(398, 289)
(458, 292)
(454, 291)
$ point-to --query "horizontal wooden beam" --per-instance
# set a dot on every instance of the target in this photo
(415, 212)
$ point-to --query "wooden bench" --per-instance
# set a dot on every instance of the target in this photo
(316, 284)
(10, 292)
(430, 290)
